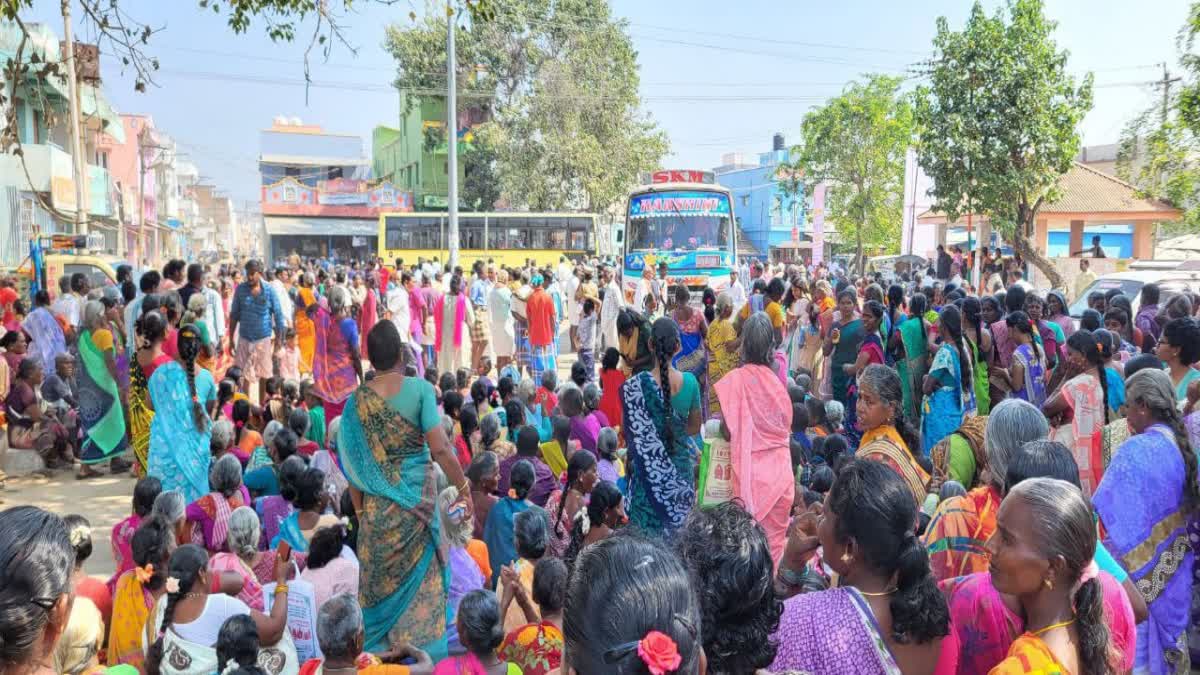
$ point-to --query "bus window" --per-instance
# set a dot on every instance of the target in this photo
(470, 233)
(395, 228)
(579, 240)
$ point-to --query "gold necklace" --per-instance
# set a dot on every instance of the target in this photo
(878, 594)
(1052, 626)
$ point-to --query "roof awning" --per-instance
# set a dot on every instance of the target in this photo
(92, 103)
(358, 227)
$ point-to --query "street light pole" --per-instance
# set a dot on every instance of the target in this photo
(452, 140)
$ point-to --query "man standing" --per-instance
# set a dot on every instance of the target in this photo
(610, 307)
(645, 300)
(737, 292)
(539, 311)
(1096, 250)
(943, 263)
(195, 283)
(280, 284)
(146, 285)
(214, 316)
(255, 310)
(1085, 278)
(480, 333)
(172, 275)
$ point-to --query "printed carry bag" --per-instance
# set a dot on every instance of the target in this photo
(716, 472)
(302, 615)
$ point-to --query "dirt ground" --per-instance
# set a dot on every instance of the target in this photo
(103, 501)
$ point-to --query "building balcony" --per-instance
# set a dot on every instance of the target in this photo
(46, 162)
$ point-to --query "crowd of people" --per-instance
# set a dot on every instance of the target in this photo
(392, 469)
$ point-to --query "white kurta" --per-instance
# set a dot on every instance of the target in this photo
(500, 309)
(610, 308)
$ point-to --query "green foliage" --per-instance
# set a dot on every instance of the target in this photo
(560, 81)
(1159, 158)
(998, 120)
(857, 142)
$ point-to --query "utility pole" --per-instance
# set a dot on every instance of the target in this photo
(1166, 83)
(81, 207)
(452, 139)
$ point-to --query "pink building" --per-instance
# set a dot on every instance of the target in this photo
(123, 167)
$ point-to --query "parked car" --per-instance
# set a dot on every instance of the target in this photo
(1170, 282)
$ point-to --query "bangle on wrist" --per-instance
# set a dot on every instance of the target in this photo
(791, 577)
(281, 588)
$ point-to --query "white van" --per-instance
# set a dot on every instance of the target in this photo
(1130, 284)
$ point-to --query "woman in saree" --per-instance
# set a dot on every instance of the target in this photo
(660, 466)
(870, 352)
(960, 457)
(842, 342)
(820, 317)
(1044, 557)
(949, 389)
(693, 329)
(181, 632)
(1026, 374)
(138, 589)
(306, 330)
(988, 621)
(391, 435)
(450, 313)
(887, 435)
(180, 434)
(337, 364)
(722, 349)
(45, 333)
(1055, 311)
(209, 515)
(1145, 500)
(150, 330)
(795, 322)
(758, 429)
(980, 339)
(101, 408)
(1080, 409)
(913, 337)
(369, 311)
(121, 540)
(243, 559)
(961, 526)
(886, 616)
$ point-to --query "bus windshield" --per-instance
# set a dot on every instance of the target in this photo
(678, 221)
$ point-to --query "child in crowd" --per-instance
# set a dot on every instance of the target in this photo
(297, 422)
(587, 338)
(462, 381)
(579, 374)
(316, 414)
(611, 379)
(545, 395)
(289, 357)
(273, 407)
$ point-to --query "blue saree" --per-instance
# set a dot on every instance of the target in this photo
(179, 454)
(944, 408)
(405, 578)
(498, 533)
(1141, 505)
(661, 479)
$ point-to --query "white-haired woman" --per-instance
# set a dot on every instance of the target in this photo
(337, 363)
(101, 402)
(210, 514)
(340, 632)
(244, 559)
(197, 307)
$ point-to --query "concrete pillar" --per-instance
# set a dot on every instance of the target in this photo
(1076, 239)
(1143, 240)
(1041, 228)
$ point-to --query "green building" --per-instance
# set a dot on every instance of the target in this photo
(413, 156)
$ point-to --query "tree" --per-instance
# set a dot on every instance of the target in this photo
(560, 81)
(856, 142)
(997, 123)
(1159, 147)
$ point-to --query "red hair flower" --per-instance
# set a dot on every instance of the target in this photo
(660, 654)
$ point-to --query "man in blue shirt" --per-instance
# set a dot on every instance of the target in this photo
(255, 310)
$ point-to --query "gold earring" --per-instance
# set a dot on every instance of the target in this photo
(1049, 585)
(846, 558)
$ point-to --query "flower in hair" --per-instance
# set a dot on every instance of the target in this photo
(659, 652)
(585, 523)
(172, 585)
(144, 573)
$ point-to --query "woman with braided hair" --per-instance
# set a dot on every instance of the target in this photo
(1145, 500)
(661, 410)
(150, 330)
(180, 433)
(184, 624)
(564, 504)
(949, 387)
(1081, 408)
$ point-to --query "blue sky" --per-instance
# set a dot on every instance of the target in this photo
(717, 76)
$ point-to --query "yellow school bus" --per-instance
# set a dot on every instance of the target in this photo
(507, 238)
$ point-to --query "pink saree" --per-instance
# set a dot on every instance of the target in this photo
(460, 318)
(758, 413)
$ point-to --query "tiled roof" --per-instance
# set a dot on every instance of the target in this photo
(1086, 190)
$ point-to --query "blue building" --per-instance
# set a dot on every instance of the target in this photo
(768, 217)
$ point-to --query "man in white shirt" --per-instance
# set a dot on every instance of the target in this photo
(737, 292)
(74, 289)
(286, 306)
(645, 289)
(614, 302)
(397, 307)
